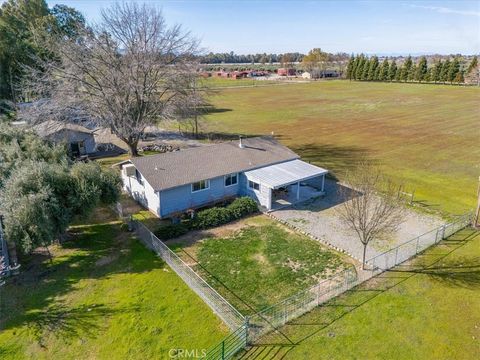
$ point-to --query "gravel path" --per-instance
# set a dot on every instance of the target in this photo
(319, 218)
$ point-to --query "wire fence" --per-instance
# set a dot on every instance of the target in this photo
(409, 249)
(248, 330)
(230, 316)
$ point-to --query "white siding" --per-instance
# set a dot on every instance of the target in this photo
(143, 193)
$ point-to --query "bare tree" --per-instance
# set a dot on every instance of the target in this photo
(122, 74)
(372, 205)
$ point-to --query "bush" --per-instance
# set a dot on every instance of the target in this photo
(212, 217)
(221, 215)
(242, 206)
(171, 231)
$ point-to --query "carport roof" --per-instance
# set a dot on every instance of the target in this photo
(286, 173)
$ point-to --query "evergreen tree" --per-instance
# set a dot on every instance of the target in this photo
(473, 65)
(445, 70)
(366, 67)
(372, 68)
(350, 67)
(359, 69)
(399, 74)
(384, 71)
(422, 69)
(453, 70)
(392, 72)
(406, 68)
(459, 78)
(437, 71)
(412, 72)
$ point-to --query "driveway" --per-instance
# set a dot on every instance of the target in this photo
(319, 218)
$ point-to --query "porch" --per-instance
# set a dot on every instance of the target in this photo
(285, 184)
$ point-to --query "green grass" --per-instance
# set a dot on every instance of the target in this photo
(261, 264)
(425, 136)
(104, 297)
(428, 309)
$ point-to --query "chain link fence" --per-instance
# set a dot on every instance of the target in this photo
(230, 316)
(248, 330)
(409, 249)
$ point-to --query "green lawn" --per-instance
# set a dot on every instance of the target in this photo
(428, 309)
(261, 263)
(426, 136)
(104, 297)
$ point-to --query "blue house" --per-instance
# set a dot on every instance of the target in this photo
(172, 183)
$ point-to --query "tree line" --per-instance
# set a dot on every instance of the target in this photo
(232, 58)
(365, 68)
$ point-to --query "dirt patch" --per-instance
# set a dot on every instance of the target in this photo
(294, 265)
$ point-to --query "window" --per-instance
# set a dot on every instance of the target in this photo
(139, 177)
(253, 185)
(201, 185)
(231, 179)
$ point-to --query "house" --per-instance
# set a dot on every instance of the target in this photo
(80, 140)
(171, 183)
(286, 72)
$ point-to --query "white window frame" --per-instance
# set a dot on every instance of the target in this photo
(230, 175)
(253, 187)
(207, 186)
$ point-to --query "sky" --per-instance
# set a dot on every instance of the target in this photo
(374, 27)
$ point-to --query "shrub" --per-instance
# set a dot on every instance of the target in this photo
(221, 215)
(171, 231)
(212, 217)
(242, 206)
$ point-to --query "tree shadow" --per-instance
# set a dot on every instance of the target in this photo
(94, 251)
(68, 323)
(460, 271)
(337, 159)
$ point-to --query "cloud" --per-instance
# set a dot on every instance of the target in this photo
(445, 10)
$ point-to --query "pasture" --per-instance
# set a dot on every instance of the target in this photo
(424, 136)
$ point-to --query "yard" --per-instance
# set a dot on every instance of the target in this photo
(427, 309)
(425, 136)
(256, 262)
(104, 296)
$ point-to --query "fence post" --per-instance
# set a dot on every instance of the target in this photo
(443, 232)
(396, 255)
(416, 247)
(247, 325)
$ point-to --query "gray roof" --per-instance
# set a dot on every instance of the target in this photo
(164, 171)
(50, 127)
(286, 173)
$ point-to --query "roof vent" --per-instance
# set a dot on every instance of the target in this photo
(240, 144)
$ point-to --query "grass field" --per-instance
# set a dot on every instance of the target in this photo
(104, 297)
(259, 262)
(428, 309)
(426, 136)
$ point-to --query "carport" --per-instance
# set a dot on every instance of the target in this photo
(288, 183)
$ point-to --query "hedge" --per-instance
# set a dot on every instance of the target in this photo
(171, 231)
(208, 218)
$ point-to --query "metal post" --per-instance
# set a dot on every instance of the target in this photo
(247, 325)
(396, 255)
(323, 183)
(298, 190)
(416, 247)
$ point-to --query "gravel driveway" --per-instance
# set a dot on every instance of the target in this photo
(319, 217)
